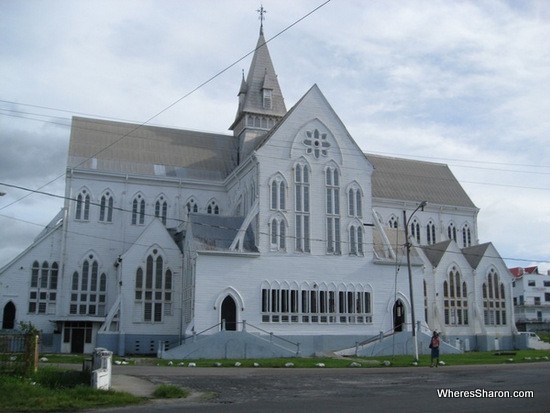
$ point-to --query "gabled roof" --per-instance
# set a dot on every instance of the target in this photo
(434, 253)
(406, 179)
(475, 253)
(216, 232)
(519, 271)
(128, 148)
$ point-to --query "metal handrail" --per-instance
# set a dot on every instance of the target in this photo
(164, 344)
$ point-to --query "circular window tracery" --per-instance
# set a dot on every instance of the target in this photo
(316, 143)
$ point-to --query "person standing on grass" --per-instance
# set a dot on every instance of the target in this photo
(434, 345)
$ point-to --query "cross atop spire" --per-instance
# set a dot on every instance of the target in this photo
(262, 12)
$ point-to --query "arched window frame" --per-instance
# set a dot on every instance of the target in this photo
(88, 290)
(213, 208)
(466, 236)
(302, 173)
(43, 288)
(356, 239)
(192, 206)
(277, 193)
(494, 300)
(451, 231)
(161, 208)
(430, 233)
(277, 232)
(355, 201)
(393, 222)
(154, 288)
(455, 299)
(415, 230)
(106, 204)
(315, 303)
(332, 210)
(82, 209)
(138, 210)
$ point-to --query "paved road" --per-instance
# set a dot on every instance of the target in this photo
(347, 390)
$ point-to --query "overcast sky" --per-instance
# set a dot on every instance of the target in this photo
(466, 83)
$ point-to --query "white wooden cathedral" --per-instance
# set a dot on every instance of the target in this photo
(281, 238)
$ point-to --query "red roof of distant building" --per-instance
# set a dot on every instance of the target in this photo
(518, 271)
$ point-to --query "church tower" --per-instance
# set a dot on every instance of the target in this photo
(261, 103)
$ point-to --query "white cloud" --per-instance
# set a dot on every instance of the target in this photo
(455, 82)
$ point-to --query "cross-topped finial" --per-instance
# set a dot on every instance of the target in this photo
(262, 12)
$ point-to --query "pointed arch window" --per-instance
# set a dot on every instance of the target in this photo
(425, 302)
(161, 209)
(494, 300)
(356, 239)
(430, 233)
(466, 236)
(213, 208)
(415, 230)
(392, 222)
(332, 191)
(43, 290)
(451, 232)
(455, 299)
(153, 289)
(192, 206)
(138, 210)
(88, 290)
(82, 212)
(106, 208)
(278, 194)
(277, 234)
(316, 303)
(355, 202)
(301, 206)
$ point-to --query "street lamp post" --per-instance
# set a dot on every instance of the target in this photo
(408, 246)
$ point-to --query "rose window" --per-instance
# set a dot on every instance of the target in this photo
(316, 143)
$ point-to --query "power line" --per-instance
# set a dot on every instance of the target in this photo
(181, 98)
(292, 237)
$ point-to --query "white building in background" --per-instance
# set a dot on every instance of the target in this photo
(283, 227)
(531, 295)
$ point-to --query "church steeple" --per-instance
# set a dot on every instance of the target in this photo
(261, 103)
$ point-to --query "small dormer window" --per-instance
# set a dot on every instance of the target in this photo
(267, 99)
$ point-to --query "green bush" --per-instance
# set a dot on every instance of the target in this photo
(56, 379)
(169, 391)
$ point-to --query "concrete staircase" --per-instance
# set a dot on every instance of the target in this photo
(232, 345)
(400, 343)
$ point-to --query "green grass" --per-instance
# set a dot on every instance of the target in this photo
(52, 389)
(170, 391)
(56, 390)
(519, 356)
(490, 357)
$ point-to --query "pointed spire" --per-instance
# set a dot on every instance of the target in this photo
(261, 103)
(260, 82)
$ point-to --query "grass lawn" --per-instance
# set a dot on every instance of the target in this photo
(53, 389)
(56, 390)
(494, 357)
(489, 357)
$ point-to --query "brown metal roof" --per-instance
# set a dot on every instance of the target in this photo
(406, 179)
(149, 150)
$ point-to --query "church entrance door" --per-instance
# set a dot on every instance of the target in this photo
(229, 313)
(398, 316)
(77, 340)
(8, 319)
